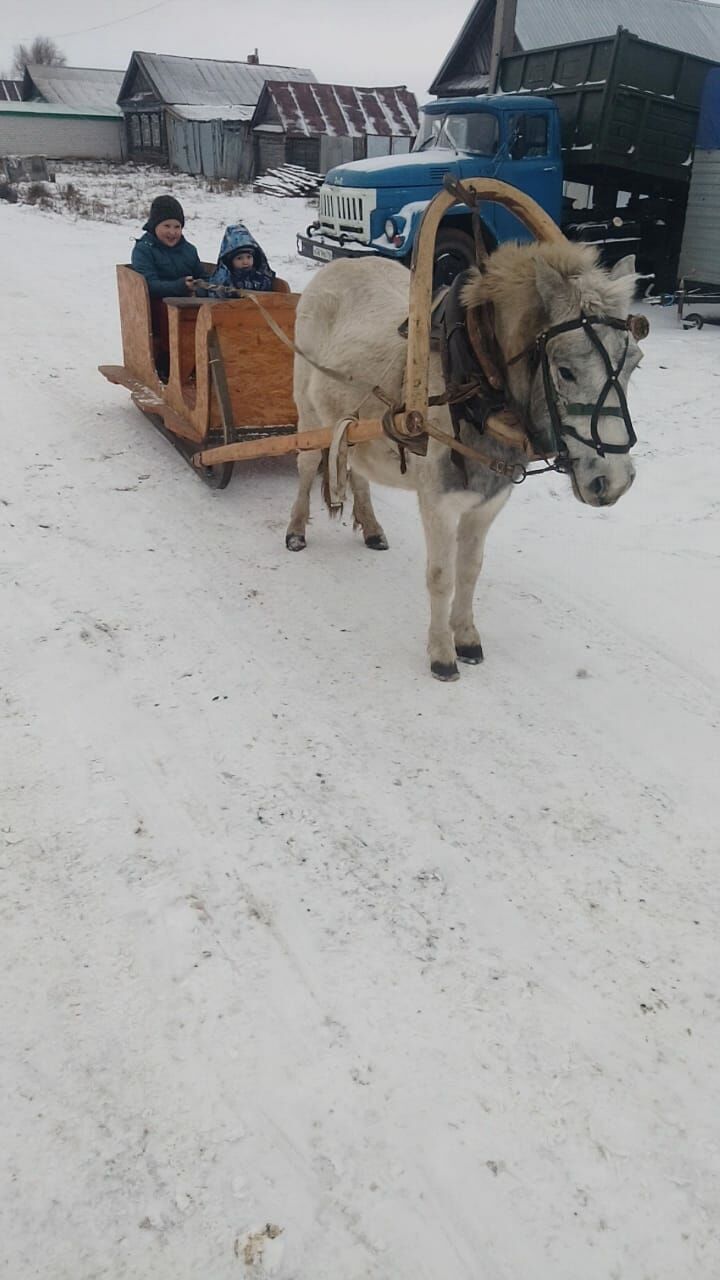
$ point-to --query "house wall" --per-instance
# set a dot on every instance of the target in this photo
(214, 148)
(700, 256)
(321, 154)
(269, 151)
(62, 138)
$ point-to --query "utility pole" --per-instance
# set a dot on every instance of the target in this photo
(503, 38)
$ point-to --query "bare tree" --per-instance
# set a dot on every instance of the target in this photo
(42, 50)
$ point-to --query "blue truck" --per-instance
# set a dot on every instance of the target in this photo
(614, 117)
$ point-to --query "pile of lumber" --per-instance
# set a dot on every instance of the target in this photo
(289, 180)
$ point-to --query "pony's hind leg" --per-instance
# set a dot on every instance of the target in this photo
(307, 464)
(440, 524)
(364, 516)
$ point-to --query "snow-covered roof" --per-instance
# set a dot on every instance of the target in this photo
(74, 86)
(692, 26)
(206, 81)
(339, 110)
(224, 112)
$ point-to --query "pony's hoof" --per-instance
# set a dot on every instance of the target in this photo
(295, 541)
(444, 671)
(470, 653)
(377, 542)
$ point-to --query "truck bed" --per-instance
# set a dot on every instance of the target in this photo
(628, 108)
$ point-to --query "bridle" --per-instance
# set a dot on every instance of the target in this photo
(538, 357)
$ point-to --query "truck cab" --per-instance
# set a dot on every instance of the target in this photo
(374, 206)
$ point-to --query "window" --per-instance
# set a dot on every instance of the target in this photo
(528, 135)
(482, 134)
(475, 133)
(146, 131)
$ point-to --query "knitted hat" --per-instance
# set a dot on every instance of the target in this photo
(163, 209)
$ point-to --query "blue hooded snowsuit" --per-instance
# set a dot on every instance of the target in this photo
(259, 277)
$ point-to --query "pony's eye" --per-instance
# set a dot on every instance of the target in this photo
(566, 373)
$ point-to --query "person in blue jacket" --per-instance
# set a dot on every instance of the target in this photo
(242, 264)
(163, 255)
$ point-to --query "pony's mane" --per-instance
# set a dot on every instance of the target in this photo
(510, 280)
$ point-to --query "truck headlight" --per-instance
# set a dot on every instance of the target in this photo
(390, 229)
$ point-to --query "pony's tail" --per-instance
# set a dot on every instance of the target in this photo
(334, 509)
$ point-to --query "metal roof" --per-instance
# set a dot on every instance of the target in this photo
(10, 90)
(689, 25)
(692, 26)
(225, 112)
(74, 86)
(45, 109)
(340, 110)
(207, 82)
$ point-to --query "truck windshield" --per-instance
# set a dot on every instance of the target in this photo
(475, 133)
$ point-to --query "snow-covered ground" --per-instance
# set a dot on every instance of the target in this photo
(314, 967)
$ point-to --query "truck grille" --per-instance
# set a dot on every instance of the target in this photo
(347, 212)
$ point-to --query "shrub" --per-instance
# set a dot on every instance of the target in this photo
(37, 193)
(8, 193)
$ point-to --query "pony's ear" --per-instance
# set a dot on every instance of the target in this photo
(625, 267)
(622, 289)
(551, 285)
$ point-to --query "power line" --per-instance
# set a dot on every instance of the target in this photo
(66, 35)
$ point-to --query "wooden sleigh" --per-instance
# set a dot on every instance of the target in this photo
(228, 397)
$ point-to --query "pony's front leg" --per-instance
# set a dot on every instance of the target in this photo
(471, 535)
(307, 464)
(440, 524)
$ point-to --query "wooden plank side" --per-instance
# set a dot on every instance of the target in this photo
(136, 327)
(181, 330)
(258, 366)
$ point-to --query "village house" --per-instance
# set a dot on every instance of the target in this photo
(321, 125)
(194, 114)
(63, 113)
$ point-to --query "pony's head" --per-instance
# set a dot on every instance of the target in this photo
(561, 321)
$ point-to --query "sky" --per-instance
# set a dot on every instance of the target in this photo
(376, 42)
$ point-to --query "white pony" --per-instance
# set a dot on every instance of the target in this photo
(561, 324)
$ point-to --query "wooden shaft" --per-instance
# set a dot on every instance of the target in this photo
(272, 446)
(530, 214)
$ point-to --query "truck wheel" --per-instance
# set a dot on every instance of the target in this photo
(454, 252)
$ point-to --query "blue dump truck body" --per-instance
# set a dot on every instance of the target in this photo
(375, 206)
(617, 118)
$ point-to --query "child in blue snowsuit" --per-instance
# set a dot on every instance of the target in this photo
(242, 263)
